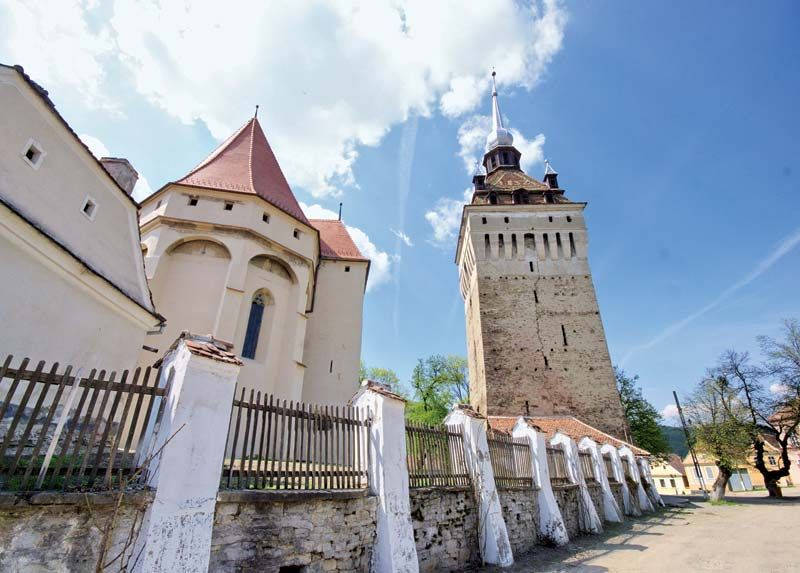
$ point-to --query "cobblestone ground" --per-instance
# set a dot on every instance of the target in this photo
(752, 534)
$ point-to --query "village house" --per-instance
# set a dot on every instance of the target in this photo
(74, 287)
(670, 476)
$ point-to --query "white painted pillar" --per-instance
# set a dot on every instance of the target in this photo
(394, 550)
(611, 510)
(619, 475)
(588, 520)
(647, 476)
(495, 547)
(175, 535)
(644, 501)
(551, 522)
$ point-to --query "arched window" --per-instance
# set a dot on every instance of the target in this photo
(492, 199)
(253, 326)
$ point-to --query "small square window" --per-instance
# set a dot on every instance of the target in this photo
(505, 219)
(33, 154)
(483, 220)
(158, 204)
(550, 219)
(89, 208)
(265, 217)
(296, 233)
(192, 201)
(569, 219)
(347, 269)
(229, 205)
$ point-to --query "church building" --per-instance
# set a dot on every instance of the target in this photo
(535, 341)
(229, 252)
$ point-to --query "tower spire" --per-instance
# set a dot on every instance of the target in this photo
(499, 134)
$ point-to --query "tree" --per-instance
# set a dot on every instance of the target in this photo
(720, 428)
(643, 419)
(438, 382)
(383, 375)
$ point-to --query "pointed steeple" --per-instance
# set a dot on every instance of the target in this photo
(499, 134)
(550, 175)
(244, 163)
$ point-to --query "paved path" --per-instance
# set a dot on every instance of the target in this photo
(755, 534)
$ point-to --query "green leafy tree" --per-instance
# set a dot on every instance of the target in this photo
(382, 375)
(720, 428)
(438, 382)
(643, 419)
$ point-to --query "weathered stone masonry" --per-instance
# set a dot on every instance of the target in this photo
(521, 514)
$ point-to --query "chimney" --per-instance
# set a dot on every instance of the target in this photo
(122, 171)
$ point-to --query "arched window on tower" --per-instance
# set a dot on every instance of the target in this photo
(492, 199)
(254, 326)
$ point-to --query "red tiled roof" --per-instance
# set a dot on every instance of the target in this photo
(676, 462)
(244, 163)
(335, 242)
(569, 425)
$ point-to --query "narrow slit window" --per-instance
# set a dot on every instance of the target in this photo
(505, 219)
(487, 246)
(483, 220)
(296, 233)
(229, 205)
(546, 240)
(501, 247)
(253, 326)
(569, 219)
(572, 251)
(530, 265)
(546, 362)
(559, 247)
(265, 217)
(550, 219)
(535, 294)
(192, 201)
(564, 335)
(514, 246)
(530, 245)
(330, 368)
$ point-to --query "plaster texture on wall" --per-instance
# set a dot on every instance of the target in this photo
(551, 523)
(616, 491)
(320, 534)
(650, 486)
(628, 506)
(588, 519)
(607, 506)
(596, 496)
(394, 550)
(445, 528)
(637, 490)
(521, 514)
(55, 532)
(567, 499)
(493, 541)
(516, 302)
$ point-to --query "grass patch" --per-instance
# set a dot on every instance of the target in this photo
(722, 502)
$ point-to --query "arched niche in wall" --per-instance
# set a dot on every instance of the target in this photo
(189, 284)
(273, 265)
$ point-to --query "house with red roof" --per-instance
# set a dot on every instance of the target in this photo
(229, 252)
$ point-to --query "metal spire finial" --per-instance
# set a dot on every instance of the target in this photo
(499, 134)
(256, 113)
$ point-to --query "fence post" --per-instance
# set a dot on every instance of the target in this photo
(176, 530)
(611, 510)
(644, 501)
(588, 519)
(394, 549)
(495, 547)
(551, 522)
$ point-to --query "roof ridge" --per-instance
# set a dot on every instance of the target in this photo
(214, 155)
(250, 157)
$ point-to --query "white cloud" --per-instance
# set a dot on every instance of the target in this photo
(445, 219)
(670, 412)
(380, 270)
(403, 237)
(142, 188)
(97, 147)
(778, 388)
(330, 76)
(472, 142)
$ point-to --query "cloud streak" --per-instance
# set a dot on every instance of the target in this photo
(783, 248)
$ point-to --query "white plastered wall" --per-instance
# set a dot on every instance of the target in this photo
(611, 510)
(647, 476)
(619, 475)
(588, 519)
(644, 501)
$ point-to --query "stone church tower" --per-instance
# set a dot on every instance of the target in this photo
(536, 343)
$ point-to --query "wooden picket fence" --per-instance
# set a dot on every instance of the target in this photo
(609, 468)
(62, 430)
(511, 460)
(298, 446)
(557, 465)
(435, 456)
(587, 466)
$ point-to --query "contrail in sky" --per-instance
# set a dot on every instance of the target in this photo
(408, 141)
(782, 249)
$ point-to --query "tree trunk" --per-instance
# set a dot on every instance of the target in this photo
(718, 489)
(773, 488)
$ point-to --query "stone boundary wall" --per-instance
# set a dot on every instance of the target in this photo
(616, 491)
(567, 500)
(521, 514)
(634, 496)
(319, 531)
(596, 493)
(60, 532)
(445, 524)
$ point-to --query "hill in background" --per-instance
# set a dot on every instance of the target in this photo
(676, 439)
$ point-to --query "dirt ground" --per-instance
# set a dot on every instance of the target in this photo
(752, 534)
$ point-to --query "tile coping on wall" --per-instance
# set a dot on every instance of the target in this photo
(566, 486)
(9, 500)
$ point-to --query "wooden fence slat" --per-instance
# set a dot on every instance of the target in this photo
(121, 428)
(15, 382)
(96, 427)
(18, 414)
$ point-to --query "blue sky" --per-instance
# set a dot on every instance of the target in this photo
(677, 122)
